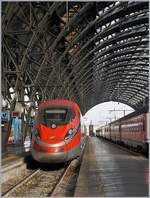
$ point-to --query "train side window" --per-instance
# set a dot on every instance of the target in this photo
(142, 128)
(134, 128)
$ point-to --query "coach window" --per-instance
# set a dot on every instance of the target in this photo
(142, 128)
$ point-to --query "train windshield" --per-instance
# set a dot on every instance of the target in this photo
(58, 116)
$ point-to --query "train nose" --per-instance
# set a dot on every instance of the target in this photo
(49, 157)
(50, 152)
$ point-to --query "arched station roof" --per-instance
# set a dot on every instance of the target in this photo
(91, 52)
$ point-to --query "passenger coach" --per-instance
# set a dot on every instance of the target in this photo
(131, 130)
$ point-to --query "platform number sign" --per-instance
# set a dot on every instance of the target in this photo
(5, 116)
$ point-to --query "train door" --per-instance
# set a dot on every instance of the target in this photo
(147, 127)
(147, 131)
(119, 131)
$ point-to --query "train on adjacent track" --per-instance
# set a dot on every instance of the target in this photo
(58, 133)
(131, 130)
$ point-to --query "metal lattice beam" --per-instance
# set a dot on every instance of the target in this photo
(87, 51)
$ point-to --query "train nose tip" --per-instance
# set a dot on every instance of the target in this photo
(52, 138)
(59, 150)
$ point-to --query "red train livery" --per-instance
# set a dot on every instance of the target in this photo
(132, 130)
(58, 134)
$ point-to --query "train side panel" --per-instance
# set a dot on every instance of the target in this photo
(147, 118)
(115, 132)
(107, 132)
(133, 132)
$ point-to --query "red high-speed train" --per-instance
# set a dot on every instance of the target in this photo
(58, 134)
(131, 130)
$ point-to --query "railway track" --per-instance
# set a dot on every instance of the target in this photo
(46, 181)
(39, 183)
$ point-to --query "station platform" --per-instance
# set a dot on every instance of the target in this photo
(108, 171)
(15, 153)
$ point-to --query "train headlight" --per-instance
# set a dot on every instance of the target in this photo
(36, 133)
(71, 132)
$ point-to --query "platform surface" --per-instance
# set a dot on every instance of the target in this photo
(108, 171)
(15, 153)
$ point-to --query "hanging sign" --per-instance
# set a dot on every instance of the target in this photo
(4, 115)
(15, 114)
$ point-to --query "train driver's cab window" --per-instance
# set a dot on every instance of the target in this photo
(57, 115)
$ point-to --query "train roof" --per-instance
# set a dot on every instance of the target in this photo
(133, 114)
(59, 102)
